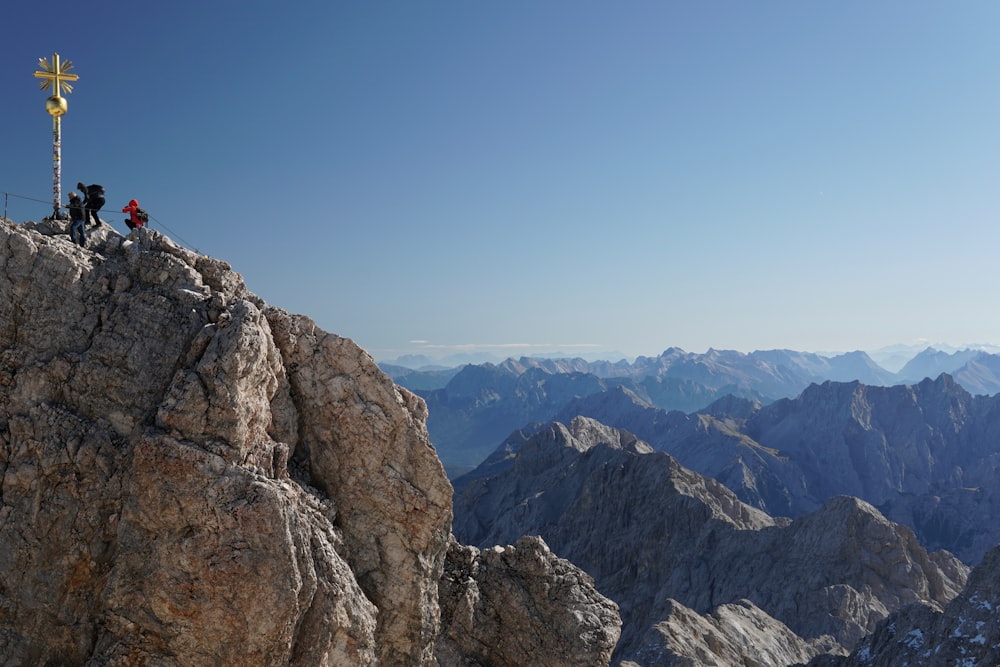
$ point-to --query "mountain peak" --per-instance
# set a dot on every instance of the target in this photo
(190, 472)
(677, 550)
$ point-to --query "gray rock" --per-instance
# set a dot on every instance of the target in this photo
(192, 477)
(965, 632)
(521, 605)
(925, 455)
(731, 634)
(654, 534)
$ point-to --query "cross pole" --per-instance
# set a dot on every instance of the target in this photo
(55, 76)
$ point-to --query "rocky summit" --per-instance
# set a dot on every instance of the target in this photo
(193, 477)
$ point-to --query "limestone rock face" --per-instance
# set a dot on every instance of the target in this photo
(522, 605)
(728, 635)
(966, 632)
(393, 501)
(189, 476)
(657, 537)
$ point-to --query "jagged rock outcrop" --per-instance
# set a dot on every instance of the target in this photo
(654, 534)
(731, 634)
(522, 605)
(966, 632)
(192, 477)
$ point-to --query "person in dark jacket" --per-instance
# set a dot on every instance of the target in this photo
(77, 227)
(93, 201)
(132, 209)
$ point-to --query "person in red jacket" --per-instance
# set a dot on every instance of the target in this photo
(133, 219)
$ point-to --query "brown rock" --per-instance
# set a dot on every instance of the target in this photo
(522, 605)
(191, 477)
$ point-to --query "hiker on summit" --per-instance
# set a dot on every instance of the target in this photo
(76, 223)
(93, 201)
(136, 216)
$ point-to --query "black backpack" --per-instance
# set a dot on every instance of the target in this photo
(142, 215)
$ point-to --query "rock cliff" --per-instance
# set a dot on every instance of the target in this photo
(522, 605)
(965, 632)
(193, 477)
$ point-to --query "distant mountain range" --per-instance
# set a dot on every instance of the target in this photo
(889, 357)
(768, 427)
(700, 578)
(474, 407)
(773, 508)
(928, 455)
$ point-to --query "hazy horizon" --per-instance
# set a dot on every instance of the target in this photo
(890, 357)
(570, 176)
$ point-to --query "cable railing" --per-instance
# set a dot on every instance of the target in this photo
(173, 234)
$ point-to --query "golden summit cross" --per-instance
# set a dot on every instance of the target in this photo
(55, 75)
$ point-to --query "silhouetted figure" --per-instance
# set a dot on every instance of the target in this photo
(77, 227)
(93, 201)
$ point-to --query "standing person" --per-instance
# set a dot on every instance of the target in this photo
(135, 214)
(93, 201)
(76, 223)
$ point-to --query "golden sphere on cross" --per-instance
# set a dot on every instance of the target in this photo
(56, 106)
(55, 76)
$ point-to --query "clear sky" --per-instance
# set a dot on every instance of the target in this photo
(526, 177)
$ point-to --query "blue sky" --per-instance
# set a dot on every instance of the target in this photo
(521, 177)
